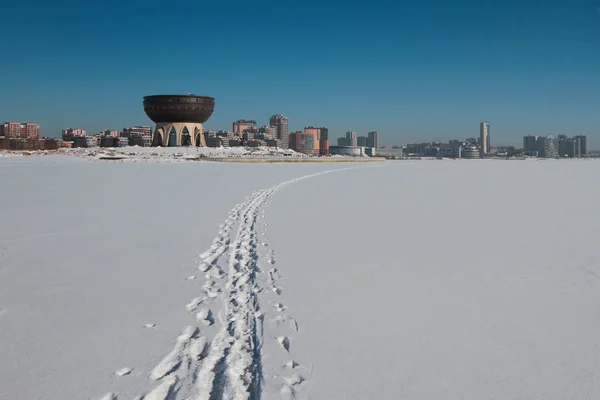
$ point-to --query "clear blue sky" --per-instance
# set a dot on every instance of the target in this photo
(414, 71)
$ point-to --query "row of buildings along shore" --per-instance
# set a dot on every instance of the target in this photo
(311, 140)
(26, 136)
(555, 146)
(548, 146)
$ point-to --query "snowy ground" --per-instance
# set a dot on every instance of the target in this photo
(414, 280)
(164, 154)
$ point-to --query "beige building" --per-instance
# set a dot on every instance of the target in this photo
(484, 137)
(172, 134)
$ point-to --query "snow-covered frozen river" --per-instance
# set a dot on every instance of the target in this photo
(413, 280)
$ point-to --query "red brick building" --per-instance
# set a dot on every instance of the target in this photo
(17, 130)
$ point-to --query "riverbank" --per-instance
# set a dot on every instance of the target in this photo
(293, 160)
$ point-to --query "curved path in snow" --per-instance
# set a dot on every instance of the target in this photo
(220, 357)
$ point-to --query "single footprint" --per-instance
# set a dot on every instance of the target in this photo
(191, 277)
(204, 266)
(291, 364)
(257, 289)
(279, 319)
(150, 326)
(197, 348)
(294, 380)
(124, 371)
(205, 316)
(209, 284)
(284, 342)
(195, 303)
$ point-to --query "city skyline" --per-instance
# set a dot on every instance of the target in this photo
(413, 72)
(311, 141)
(350, 138)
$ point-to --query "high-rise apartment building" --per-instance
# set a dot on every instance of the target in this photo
(361, 141)
(341, 141)
(10, 130)
(583, 143)
(324, 141)
(484, 137)
(310, 141)
(572, 148)
(32, 131)
(373, 140)
(281, 123)
(20, 130)
(351, 139)
(530, 143)
(306, 142)
(242, 125)
(562, 145)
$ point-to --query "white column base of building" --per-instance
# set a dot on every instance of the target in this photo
(172, 134)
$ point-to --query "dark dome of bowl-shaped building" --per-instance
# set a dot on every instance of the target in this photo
(179, 118)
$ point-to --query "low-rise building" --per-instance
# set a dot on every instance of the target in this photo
(84, 141)
(449, 152)
(21, 144)
(142, 141)
(113, 141)
(217, 141)
(54, 144)
(469, 153)
(273, 143)
(138, 130)
(371, 151)
(346, 150)
(255, 143)
(74, 132)
(110, 132)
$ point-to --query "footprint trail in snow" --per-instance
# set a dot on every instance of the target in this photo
(220, 356)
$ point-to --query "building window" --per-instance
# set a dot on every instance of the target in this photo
(172, 137)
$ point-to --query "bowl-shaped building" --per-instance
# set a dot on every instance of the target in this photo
(179, 118)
